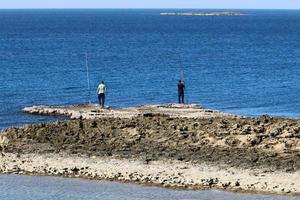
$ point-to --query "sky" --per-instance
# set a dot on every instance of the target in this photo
(244, 4)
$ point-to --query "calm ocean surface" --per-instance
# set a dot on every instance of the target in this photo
(243, 64)
(246, 65)
(48, 188)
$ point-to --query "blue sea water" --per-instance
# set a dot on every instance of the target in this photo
(49, 188)
(247, 64)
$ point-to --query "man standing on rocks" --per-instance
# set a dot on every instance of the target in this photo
(181, 88)
(101, 93)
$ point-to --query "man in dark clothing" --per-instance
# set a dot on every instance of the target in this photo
(101, 93)
(181, 88)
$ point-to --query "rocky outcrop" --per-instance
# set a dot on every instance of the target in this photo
(203, 13)
(170, 146)
(239, 142)
(94, 111)
(3, 142)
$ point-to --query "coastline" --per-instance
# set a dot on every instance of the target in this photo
(163, 173)
(177, 146)
(94, 111)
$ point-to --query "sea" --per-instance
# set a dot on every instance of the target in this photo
(51, 188)
(247, 65)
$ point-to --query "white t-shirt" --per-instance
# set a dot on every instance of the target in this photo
(101, 89)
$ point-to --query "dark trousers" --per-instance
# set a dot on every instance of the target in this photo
(181, 98)
(101, 98)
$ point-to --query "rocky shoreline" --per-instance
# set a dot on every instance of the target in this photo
(163, 173)
(156, 145)
(94, 111)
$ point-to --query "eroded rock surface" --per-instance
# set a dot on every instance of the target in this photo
(239, 142)
(95, 111)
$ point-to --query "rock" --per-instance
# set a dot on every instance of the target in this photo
(226, 185)
(75, 170)
(265, 118)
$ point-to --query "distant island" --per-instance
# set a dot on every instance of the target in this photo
(203, 13)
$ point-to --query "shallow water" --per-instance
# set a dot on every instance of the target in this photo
(244, 64)
(51, 188)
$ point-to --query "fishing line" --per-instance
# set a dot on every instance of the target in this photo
(88, 79)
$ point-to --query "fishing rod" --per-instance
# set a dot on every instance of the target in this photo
(181, 68)
(88, 78)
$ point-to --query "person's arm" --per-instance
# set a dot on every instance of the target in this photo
(98, 90)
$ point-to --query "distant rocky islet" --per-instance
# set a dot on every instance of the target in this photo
(203, 13)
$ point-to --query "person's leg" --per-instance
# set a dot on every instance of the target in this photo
(179, 98)
(182, 96)
(103, 100)
(99, 99)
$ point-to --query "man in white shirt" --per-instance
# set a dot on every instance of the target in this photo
(101, 93)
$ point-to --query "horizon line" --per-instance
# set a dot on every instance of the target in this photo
(108, 8)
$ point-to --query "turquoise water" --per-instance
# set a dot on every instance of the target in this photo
(247, 64)
(49, 188)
